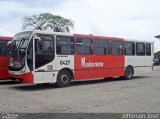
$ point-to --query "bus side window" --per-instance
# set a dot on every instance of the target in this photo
(140, 49)
(148, 49)
(65, 45)
(84, 46)
(116, 47)
(101, 47)
(129, 48)
(46, 47)
(4, 49)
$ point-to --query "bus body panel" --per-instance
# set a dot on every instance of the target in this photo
(140, 64)
(98, 66)
(49, 72)
(4, 60)
(89, 67)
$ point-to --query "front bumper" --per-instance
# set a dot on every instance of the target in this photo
(26, 78)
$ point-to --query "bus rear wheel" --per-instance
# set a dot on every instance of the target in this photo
(128, 73)
(63, 79)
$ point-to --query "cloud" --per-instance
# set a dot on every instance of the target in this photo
(131, 19)
(12, 13)
(3, 32)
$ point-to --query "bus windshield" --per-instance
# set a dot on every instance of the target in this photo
(18, 49)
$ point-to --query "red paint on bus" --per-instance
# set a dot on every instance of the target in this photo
(4, 60)
(94, 66)
(25, 78)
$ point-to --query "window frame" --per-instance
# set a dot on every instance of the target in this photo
(6, 46)
(132, 42)
(107, 48)
(144, 48)
(71, 37)
(110, 48)
(150, 50)
(42, 41)
(91, 46)
(44, 60)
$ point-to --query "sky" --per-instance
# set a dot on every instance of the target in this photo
(130, 19)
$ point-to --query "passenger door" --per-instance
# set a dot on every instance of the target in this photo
(43, 57)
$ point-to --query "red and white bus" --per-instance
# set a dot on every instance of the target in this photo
(52, 57)
(4, 57)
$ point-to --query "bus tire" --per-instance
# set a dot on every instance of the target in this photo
(63, 79)
(128, 73)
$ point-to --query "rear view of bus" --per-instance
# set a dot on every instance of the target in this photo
(4, 57)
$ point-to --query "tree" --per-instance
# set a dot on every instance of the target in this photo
(47, 21)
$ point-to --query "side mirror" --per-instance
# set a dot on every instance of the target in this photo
(35, 37)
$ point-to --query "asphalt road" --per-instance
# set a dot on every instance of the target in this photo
(142, 94)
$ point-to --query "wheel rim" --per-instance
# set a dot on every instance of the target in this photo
(64, 79)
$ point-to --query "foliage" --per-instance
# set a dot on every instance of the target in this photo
(47, 21)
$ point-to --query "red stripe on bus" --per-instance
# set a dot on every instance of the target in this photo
(106, 66)
(26, 78)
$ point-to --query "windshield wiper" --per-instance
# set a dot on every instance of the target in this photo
(21, 43)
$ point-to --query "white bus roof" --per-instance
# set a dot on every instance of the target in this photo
(132, 40)
(72, 34)
(51, 32)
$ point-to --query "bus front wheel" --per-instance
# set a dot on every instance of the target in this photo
(63, 79)
(128, 73)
